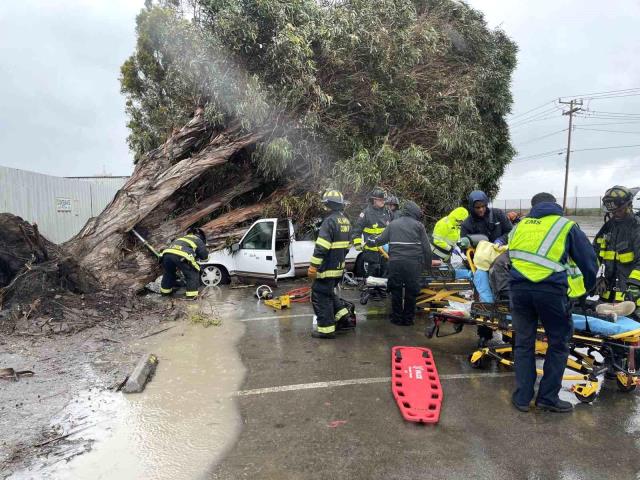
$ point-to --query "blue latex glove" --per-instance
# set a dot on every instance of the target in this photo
(499, 242)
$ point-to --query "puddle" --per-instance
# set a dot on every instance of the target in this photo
(178, 428)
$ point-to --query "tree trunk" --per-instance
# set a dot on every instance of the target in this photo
(104, 247)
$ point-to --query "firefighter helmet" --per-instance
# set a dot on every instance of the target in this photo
(617, 197)
(377, 193)
(392, 200)
(333, 199)
(199, 233)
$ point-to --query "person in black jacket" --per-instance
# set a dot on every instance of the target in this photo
(182, 255)
(483, 220)
(409, 255)
(327, 267)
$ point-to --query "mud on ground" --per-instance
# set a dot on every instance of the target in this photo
(86, 343)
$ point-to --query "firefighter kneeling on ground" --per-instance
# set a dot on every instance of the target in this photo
(617, 246)
(182, 255)
(327, 267)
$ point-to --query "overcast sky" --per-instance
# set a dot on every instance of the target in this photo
(61, 111)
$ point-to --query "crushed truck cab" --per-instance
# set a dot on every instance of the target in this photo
(270, 250)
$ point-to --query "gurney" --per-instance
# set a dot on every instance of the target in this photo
(439, 285)
(597, 346)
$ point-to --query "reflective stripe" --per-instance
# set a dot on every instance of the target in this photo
(341, 244)
(341, 313)
(618, 297)
(451, 243)
(441, 255)
(184, 255)
(357, 240)
(626, 257)
(323, 243)
(316, 261)
(537, 260)
(330, 274)
(329, 329)
(166, 290)
(607, 254)
(635, 275)
(191, 293)
(405, 243)
(600, 241)
(373, 231)
(552, 236)
(373, 249)
(189, 242)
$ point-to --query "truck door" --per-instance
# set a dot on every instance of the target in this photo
(256, 257)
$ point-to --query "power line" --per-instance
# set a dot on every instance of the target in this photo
(598, 112)
(593, 95)
(535, 115)
(538, 155)
(602, 130)
(609, 123)
(532, 110)
(543, 136)
(605, 148)
(517, 125)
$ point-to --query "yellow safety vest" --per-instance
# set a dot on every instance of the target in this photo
(536, 246)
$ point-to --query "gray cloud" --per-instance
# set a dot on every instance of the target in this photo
(61, 111)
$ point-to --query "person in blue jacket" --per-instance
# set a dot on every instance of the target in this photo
(544, 250)
(485, 220)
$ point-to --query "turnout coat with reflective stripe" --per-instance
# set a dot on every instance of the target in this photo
(189, 247)
(617, 246)
(332, 246)
(371, 223)
(538, 249)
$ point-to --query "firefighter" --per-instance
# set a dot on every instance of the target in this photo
(446, 233)
(617, 246)
(182, 255)
(371, 223)
(327, 267)
(409, 255)
(551, 262)
(393, 206)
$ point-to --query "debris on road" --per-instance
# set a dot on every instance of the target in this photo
(142, 374)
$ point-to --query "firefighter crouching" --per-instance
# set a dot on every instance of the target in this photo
(182, 255)
(327, 267)
(371, 223)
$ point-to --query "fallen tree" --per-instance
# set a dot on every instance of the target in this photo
(244, 107)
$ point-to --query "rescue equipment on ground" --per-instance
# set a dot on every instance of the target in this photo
(415, 384)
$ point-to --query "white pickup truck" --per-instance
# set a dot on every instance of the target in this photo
(270, 250)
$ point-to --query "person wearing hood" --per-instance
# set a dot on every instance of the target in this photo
(393, 205)
(551, 262)
(483, 220)
(409, 255)
(446, 233)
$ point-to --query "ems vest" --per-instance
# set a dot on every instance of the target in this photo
(536, 246)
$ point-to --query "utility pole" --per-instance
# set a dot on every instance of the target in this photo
(574, 106)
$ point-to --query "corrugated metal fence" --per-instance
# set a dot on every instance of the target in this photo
(60, 206)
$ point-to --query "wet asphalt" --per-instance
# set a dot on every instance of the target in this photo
(316, 430)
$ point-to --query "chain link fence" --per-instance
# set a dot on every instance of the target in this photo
(577, 206)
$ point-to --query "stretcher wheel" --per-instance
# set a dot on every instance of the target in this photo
(625, 388)
(479, 364)
(586, 398)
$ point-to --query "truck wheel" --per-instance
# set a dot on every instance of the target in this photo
(214, 275)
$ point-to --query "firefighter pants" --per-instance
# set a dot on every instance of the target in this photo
(171, 264)
(404, 278)
(327, 306)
